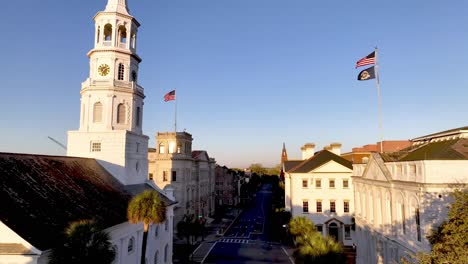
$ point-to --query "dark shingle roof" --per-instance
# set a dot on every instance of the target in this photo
(319, 159)
(14, 249)
(40, 195)
(455, 149)
(289, 164)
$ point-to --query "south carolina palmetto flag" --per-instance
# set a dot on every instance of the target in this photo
(170, 96)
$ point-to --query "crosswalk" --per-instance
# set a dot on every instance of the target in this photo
(234, 240)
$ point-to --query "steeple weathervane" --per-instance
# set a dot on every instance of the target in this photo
(118, 6)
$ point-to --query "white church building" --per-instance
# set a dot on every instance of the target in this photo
(401, 197)
(106, 162)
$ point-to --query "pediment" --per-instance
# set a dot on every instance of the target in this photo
(331, 167)
(375, 172)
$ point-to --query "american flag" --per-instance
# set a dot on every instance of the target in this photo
(169, 96)
(369, 59)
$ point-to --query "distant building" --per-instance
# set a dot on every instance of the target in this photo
(320, 187)
(227, 187)
(106, 165)
(400, 197)
(191, 174)
(362, 154)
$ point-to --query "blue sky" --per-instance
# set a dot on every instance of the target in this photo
(250, 74)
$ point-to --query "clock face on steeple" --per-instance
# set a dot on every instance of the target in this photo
(103, 69)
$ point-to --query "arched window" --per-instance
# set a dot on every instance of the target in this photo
(133, 41)
(123, 36)
(121, 71)
(107, 34)
(371, 207)
(98, 35)
(416, 223)
(156, 257)
(134, 76)
(388, 211)
(401, 217)
(121, 110)
(138, 115)
(97, 112)
(162, 148)
(166, 248)
(131, 244)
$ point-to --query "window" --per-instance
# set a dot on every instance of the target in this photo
(97, 112)
(179, 148)
(319, 206)
(123, 35)
(172, 146)
(174, 175)
(134, 76)
(332, 183)
(138, 116)
(318, 183)
(305, 206)
(108, 33)
(95, 146)
(403, 218)
(346, 184)
(346, 206)
(332, 207)
(165, 176)
(150, 176)
(133, 40)
(156, 257)
(121, 109)
(156, 230)
(137, 166)
(137, 147)
(121, 72)
(319, 228)
(166, 248)
(131, 244)
(347, 232)
(304, 183)
(98, 35)
(162, 148)
(418, 224)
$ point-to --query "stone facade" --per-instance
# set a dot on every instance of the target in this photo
(401, 197)
(227, 187)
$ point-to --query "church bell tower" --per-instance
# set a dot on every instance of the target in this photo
(111, 112)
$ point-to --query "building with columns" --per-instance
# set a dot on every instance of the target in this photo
(173, 164)
(400, 197)
(319, 187)
(106, 163)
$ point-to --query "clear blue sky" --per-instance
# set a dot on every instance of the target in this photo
(250, 74)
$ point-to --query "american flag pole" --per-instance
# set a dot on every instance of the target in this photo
(175, 111)
(377, 83)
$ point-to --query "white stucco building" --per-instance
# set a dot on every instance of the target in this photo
(400, 197)
(106, 162)
(319, 187)
(190, 173)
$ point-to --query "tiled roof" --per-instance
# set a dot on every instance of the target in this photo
(456, 149)
(450, 131)
(14, 249)
(40, 195)
(319, 159)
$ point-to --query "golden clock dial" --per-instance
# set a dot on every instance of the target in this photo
(103, 69)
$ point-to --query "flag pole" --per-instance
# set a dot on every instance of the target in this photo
(175, 112)
(377, 83)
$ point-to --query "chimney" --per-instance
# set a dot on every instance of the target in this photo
(308, 151)
(335, 148)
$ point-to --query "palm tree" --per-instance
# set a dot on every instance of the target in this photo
(146, 207)
(83, 242)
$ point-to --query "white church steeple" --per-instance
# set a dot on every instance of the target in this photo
(117, 6)
(111, 112)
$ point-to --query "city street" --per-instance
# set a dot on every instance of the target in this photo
(246, 240)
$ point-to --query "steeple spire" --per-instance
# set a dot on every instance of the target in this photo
(118, 6)
(284, 154)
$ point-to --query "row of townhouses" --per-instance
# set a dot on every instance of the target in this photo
(383, 204)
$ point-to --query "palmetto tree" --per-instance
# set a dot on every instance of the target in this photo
(146, 207)
(84, 242)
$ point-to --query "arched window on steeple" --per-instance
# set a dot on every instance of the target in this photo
(123, 37)
(97, 112)
(133, 40)
(134, 76)
(121, 109)
(108, 35)
(98, 35)
(121, 71)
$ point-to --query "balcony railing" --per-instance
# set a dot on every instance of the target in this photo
(106, 83)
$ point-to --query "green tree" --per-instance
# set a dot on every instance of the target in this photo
(275, 170)
(312, 247)
(146, 207)
(83, 242)
(258, 169)
(450, 240)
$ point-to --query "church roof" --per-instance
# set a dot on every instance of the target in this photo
(41, 195)
(319, 159)
(455, 149)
